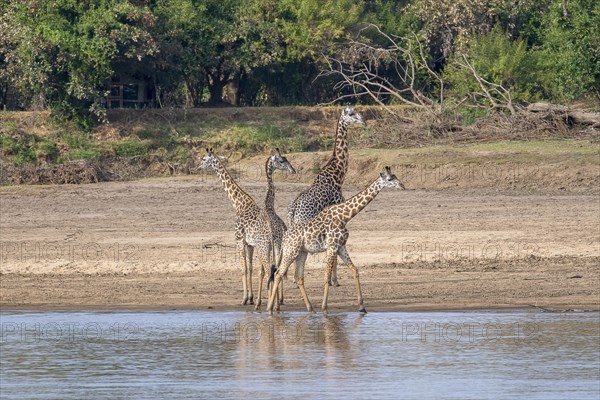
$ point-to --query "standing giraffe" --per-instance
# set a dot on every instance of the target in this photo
(328, 232)
(252, 228)
(327, 186)
(276, 161)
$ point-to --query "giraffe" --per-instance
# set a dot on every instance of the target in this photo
(252, 228)
(278, 227)
(328, 232)
(327, 186)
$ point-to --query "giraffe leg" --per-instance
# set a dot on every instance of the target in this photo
(249, 256)
(334, 280)
(331, 261)
(278, 299)
(346, 260)
(281, 271)
(299, 276)
(273, 295)
(281, 295)
(300, 261)
(244, 265)
(264, 266)
(277, 262)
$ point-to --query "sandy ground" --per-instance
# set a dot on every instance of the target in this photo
(168, 244)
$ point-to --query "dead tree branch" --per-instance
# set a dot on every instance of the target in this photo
(497, 95)
(578, 116)
(398, 71)
(385, 72)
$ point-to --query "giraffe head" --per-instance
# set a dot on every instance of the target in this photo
(387, 179)
(280, 162)
(351, 117)
(209, 160)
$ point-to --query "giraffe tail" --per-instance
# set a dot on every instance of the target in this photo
(271, 276)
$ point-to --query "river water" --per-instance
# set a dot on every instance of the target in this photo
(196, 354)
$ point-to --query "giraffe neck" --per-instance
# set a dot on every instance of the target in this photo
(240, 199)
(351, 207)
(270, 207)
(270, 199)
(337, 165)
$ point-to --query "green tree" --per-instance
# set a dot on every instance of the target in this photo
(312, 27)
(215, 43)
(67, 49)
(11, 87)
(308, 29)
(395, 17)
(498, 60)
(570, 52)
(181, 35)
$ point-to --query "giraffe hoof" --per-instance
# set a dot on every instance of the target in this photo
(362, 310)
(244, 302)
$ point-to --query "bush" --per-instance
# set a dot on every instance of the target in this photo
(48, 148)
(76, 141)
(498, 60)
(130, 147)
(570, 53)
(21, 146)
(90, 154)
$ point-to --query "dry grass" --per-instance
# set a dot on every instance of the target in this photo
(142, 143)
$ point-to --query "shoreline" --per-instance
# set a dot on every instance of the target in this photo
(560, 309)
(386, 288)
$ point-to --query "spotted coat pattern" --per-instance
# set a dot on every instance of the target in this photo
(278, 227)
(276, 161)
(327, 186)
(252, 228)
(328, 232)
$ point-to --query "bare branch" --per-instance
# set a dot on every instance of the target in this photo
(489, 87)
(394, 71)
(360, 69)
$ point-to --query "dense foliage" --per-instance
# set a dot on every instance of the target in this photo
(60, 54)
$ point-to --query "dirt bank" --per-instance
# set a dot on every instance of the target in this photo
(168, 243)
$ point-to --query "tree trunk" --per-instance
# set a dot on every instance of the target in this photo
(215, 87)
(195, 91)
(578, 116)
(233, 89)
(3, 97)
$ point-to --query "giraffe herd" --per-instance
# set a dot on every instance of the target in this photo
(317, 221)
